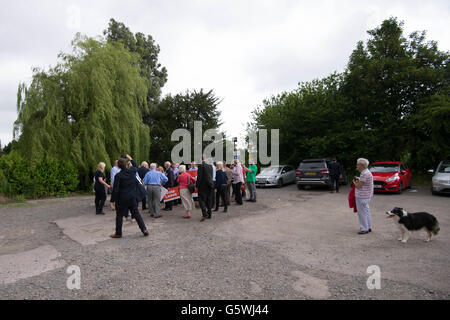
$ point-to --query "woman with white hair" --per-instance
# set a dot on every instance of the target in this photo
(184, 180)
(238, 180)
(99, 188)
(363, 195)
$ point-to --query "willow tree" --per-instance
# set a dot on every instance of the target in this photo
(86, 109)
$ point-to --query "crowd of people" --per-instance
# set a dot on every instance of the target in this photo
(216, 185)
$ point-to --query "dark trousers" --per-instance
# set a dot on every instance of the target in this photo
(334, 180)
(205, 200)
(169, 205)
(221, 194)
(100, 198)
(227, 192)
(144, 203)
(122, 212)
(237, 192)
(213, 197)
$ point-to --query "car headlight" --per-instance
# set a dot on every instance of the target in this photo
(394, 178)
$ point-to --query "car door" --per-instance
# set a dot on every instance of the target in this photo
(284, 175)
(404, 176)
(409, 174)
(291, 174)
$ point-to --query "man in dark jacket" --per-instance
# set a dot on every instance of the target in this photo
(142, 171)
(335, 173)
(221, 186)
(205, 189)
(169, 184)
(124, 196)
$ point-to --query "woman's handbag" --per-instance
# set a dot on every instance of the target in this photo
(141, 192)
(191, 187)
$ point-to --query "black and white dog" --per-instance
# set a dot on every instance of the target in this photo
(414, 222)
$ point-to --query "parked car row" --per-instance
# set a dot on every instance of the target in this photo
(388, 176)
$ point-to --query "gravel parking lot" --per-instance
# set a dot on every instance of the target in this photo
(291, 244)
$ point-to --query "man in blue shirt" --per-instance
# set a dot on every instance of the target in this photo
(193, 166)
(153, 181)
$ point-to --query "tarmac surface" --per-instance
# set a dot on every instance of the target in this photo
(291, 244)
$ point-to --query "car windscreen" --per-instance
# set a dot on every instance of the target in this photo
(270, 170)
(384, 168)
(312, 165)
(444, 167)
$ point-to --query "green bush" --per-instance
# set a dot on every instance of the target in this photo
(5, 187)
(48, 178)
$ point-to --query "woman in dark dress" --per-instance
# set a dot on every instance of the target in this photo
(99, 188)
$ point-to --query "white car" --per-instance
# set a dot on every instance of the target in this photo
(441, 179)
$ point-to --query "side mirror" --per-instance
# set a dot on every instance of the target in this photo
(430, 171)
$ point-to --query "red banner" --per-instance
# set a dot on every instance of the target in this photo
(172, 194)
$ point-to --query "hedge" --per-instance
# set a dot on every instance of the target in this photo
(48, 178)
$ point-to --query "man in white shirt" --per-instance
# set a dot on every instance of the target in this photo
(115, 170)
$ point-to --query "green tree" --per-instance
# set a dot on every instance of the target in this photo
(181, 111)
(148, 51)
(86, 109)
(391, 103)
(388, 81)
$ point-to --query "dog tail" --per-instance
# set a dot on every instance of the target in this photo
(436, 228)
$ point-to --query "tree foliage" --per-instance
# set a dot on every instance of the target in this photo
(391, 103)
(148, 51)
(181, 111)
(86, 109)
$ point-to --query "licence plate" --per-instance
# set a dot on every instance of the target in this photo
(377, 186)
(311, 173)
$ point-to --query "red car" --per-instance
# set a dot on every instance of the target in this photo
(391, 176)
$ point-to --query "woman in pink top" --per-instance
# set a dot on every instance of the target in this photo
(184, 179)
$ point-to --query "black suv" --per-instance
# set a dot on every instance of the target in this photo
(314, 172)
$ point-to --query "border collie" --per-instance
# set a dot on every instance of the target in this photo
(407, 222)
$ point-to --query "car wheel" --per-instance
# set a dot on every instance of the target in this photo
(300, 187)
(434, 193)
(280, 183)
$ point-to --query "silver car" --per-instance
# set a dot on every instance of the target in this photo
(275, 176)
(441, 179)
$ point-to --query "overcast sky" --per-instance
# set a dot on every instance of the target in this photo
(246, 50)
